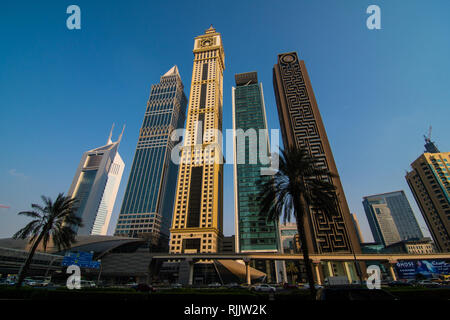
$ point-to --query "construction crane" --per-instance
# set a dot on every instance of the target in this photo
(429, 145)
(428, 138)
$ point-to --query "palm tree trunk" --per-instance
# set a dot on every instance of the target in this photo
(306, 260)
(24, 269)
(299, 202)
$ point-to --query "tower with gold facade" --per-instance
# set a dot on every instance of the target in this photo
(197, 221)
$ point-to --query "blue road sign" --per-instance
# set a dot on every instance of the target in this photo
(81, 259)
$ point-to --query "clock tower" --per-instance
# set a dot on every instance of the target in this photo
(198, 213)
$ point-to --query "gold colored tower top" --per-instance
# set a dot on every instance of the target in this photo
(210, 40)
(210, 30)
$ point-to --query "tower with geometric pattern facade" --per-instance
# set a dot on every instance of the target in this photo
(302, 127)
(198, 213)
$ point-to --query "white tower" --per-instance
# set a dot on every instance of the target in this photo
(95, 186)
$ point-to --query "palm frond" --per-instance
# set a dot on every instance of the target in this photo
(31, 214)
(299, 174)
(39, 208)
(64, 237)
(30, 229)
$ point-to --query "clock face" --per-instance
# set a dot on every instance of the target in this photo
(206, 43)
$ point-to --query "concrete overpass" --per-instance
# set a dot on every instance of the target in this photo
(317, 259)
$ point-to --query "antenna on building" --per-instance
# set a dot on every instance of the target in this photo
(110, 135)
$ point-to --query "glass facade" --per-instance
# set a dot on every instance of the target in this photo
(254, 232)
(148, 201)
(83, 191)
(400, 212)
(404, 218)
(380, 220)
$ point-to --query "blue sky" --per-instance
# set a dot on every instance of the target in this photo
(60, 90)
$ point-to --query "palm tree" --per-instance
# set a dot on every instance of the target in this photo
(291, 268)
(55, 221)
(299, 185)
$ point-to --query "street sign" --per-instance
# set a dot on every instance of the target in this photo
(81, 259)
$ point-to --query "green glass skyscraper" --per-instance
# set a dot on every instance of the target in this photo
(148, 201)
(253, 232)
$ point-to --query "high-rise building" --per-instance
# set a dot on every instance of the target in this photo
(198, 214)
(253, 231)
(228, 244)
(402, 213)
(357, 228)
(381, 221)
(429, 181)
(302, 127)
(288, 234)
(422, 246)
(148, 201)
(95, 186)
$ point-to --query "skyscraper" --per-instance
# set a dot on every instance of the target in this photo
(253, 232)
(401, 212)
(95, 186)
(429, 181)
(381, 221)
(302, 127)
(198, 214)
(148, 201)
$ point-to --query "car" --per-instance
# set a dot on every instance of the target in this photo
(4, 282)
(214, 285)
(290, 286)
(411, 282)
(87, 284)
(29, 282)
(143, 287)
(428, 284)
(176, 285)
(349, 293)
(40, 283)
(245, 286)
(264, 288)
(317, 286)
(399, 284)
(233, 285)
(437, 280)
(131, 284)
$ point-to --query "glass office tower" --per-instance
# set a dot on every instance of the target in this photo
(401, 212)
(148, 201)
(253, 232)
(381, 221)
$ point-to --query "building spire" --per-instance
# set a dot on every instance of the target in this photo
(110, 135)
(121, 134)
(210, 29)
(172, 71)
